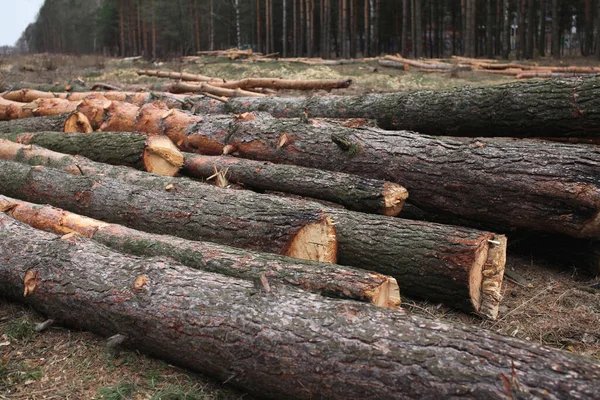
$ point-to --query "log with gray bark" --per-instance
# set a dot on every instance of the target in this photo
(352, 191)
(327, 279)
(557, 107)
(458, 266)
(284, 343)
(155, 154)
(520, 183)
(274, 225)
(68, 122)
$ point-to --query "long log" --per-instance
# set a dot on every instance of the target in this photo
(285, 343)
(156, 154)
(526, 109)
(548, 74)
(271, 226)
(428, 65)
(352, 191)
(458, 266)
(528, 184)
(69, 122)
(327, 279)
(184, 87)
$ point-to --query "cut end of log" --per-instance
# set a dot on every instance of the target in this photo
(78, 123)
(387, 295)
(394, 196)
(487, 275)
(315, 242)
(161, 156)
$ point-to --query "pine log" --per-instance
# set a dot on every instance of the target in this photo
(525, 109)
(179, 75)
(183, 87)
(273, 225)
(528, 184)
(327, 279)
(45, 87)
(156, 154)
(547, 74)
(429, 65)
(69, 122)
(284, 343)
(351, 191)
(457, 266)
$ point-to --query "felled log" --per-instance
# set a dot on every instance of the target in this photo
(183, 87)
(525, 109)
(184, 76)
(529, 184)
(69, 122)
(428, 65)
(284, 343)
(271, 226)
(55, 87)
(327, 279)
(40, 107)
(547, 74)
(156, 154)
(458, 266)
(352, 191)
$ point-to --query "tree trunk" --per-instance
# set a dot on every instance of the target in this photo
(418, 36)
(259, 26)
(122, 28)
(351, 191)
(154, 35)
(327, 279)
(284, 39)
(471, 175)
(463, 267)
(353, 27)
(598, 32)
(540, 108)
(588, 31)
(542, 33)
(556, 36)
(405, 19)
(69, 122)
(156, 154)
(210, 214)
(530, 28)
(489, 29)
(309, 38)
(226, 327)
(506, 46)
(238, 33)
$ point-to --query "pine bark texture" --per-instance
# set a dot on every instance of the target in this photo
(558, 107)
(352, 191)
(54, 123)
(443, 263)
(529, 184)
(129, 149)
(284, 344)
(271, 225)
(327, 279)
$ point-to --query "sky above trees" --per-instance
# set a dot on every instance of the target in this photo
(16, 15)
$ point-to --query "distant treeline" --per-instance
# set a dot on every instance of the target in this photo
(325, 28)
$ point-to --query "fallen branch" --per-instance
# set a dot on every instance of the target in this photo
(327, 279)
(232, 330)
(353, 192)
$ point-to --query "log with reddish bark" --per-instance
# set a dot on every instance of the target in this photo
(272, 226)
(458, 266)
(69, 122)
(351, 191)
(252, 83)
(156, 154)
(327, 279)
(282, 343)
(528, 184)
(556, 107)
(427, 65)
(183, 87)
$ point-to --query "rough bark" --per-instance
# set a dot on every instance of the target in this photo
(460, 266)
(227, 328)
(273, 225)
(156, 154)
(558, 107)
(69, 122)
(556, 36)
(327, 279)
(521, 183)
(351, 191)
(428, 65)
(405, 19)
(183, 87)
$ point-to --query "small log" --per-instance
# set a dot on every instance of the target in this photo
(546, 74)
(457, 266)
(69, 122)
(288, 84)
(351, 191)
(183, 87)
(156, 154)
(40, 107)
(179, 75)
(440, 66)
(209, 213)
(327, 279)
(287, 343)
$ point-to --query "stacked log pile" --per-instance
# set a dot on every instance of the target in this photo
(217, 277)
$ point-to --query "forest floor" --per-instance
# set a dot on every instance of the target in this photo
(555, 303)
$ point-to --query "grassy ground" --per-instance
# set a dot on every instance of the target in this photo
(554, 304)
